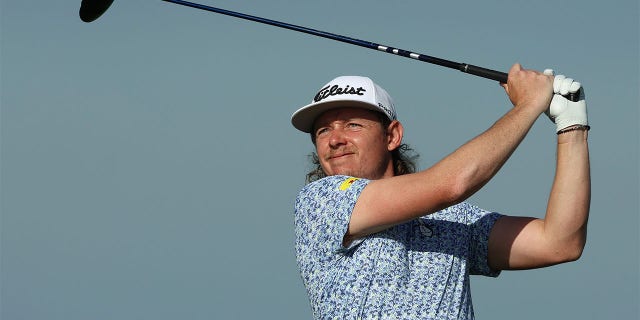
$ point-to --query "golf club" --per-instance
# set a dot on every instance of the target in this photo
(90, 10)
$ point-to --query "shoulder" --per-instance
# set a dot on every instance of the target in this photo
(329, 192)
(333, 185)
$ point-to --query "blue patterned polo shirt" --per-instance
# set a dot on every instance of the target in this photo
(416, 270)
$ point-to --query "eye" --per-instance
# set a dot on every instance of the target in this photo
(354, 125)
(321, 131)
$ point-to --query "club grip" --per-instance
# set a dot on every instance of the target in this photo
(502, 77)
(484, 72)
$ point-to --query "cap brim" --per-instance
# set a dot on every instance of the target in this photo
(304, 117)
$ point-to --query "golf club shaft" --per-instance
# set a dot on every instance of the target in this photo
(467, 68)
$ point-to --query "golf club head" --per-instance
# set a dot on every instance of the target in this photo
(92, 9)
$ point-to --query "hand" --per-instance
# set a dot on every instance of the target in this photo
(529, 89)
(563, 112)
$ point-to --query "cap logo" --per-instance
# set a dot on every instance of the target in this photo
(337, 90)
(388, 111)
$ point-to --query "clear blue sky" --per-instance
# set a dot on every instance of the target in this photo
(148, 166)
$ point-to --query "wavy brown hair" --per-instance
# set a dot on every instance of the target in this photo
(404, 157)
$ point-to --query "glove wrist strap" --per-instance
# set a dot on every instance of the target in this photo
(574, 128)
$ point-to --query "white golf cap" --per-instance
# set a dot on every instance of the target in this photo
(347, 92)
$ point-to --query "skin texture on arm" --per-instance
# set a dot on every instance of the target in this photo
(525, 243)
(388, 201)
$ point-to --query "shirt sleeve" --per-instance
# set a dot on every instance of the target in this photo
(481, 223)
(322, 213)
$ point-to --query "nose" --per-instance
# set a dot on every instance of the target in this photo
(337, 138)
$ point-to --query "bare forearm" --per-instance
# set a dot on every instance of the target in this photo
(525, 243)
(481, 158)
(565, 222)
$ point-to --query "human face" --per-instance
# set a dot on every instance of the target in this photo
(352, 141)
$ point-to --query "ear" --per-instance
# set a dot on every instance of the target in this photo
(395, 131)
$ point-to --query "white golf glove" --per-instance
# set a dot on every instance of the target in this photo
(562, 111)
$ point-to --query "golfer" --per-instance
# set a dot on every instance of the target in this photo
(376, 240)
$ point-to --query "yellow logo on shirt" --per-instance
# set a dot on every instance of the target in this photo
(347, 183)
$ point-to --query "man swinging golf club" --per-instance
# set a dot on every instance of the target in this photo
(375, 240)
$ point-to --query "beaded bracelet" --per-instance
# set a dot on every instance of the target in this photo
(578, 127)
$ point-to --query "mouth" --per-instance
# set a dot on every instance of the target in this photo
(339, 155)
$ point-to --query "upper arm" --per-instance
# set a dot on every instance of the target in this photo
(521, 243)
(508, 241)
